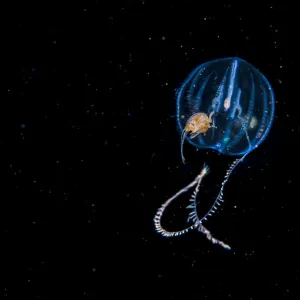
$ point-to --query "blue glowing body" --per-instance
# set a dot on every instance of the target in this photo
(238, 96)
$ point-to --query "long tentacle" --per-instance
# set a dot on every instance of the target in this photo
(208, 235)
(193, 215)
(217, 203)
(158, 216)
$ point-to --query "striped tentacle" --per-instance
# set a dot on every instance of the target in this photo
(160, 211)
(193, 216)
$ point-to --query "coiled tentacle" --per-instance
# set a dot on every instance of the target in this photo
(158, 216)
(218, 202)
(197, 224)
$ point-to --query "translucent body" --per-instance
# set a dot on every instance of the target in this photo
(237, 96)
(226, 105)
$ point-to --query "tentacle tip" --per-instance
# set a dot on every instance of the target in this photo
(205, 170)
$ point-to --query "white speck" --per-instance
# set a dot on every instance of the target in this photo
(163, 38)
(253, 122)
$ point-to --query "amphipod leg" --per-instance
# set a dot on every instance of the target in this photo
(193, 135)
(183, 136)
(158, 216)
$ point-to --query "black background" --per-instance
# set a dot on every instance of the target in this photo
(90, 151)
